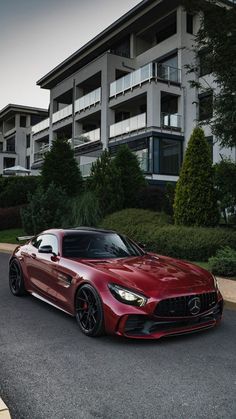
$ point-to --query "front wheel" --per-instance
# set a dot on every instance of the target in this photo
(16, 279)
(89, 311)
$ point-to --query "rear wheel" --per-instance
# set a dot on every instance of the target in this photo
(89, 311)
(16, 279)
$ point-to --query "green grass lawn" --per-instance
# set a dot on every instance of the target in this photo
(9, 236)
(204, 265)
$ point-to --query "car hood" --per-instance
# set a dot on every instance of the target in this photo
(152, 274)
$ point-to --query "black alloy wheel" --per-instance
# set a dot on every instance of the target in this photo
(89, 312)
(16, 280)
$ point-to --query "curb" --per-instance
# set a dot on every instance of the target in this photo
(4, 411)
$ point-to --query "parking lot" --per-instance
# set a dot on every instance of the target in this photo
(48, 369)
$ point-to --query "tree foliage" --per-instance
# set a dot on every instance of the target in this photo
(217, 38)
(131, 176)
(195, 199)
(61, 168)
(106, 183)
(85, 210)
(225, 182)
(46, 209)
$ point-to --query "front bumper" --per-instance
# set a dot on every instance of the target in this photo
(153, 327)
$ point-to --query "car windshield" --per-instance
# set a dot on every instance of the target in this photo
(98, 245)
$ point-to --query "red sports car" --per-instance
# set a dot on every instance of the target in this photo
(110, 284)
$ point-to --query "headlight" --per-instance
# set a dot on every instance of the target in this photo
(127, 296)
(215, 283)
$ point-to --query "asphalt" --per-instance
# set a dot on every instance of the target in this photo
(50, 370)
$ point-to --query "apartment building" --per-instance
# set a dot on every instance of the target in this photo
(129, 85)
(16, 123)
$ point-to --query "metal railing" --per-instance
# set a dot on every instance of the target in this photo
(135, 123)
(41, 126)
(146, 73)
(62, 114)
(173, 121)
(91, 99)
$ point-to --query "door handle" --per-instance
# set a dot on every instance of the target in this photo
(33, 255)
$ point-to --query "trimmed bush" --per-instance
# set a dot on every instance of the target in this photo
(46, 209)
(224, 263)
(14, 190)
(10, 218)
(150, 228)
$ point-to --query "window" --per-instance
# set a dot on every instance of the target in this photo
(170, 157)
(204, 63)
(189, 23)
(28, 141)
(1, 146)
(46, 240)
(8, 162)
(10, 144)
(22, 121)
(205, 106)
(27, 162)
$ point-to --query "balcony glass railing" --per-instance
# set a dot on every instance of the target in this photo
(88, 100)
(143, 74)
(135, 123)
(41, 126)
(62, 114)
(40, 153)
(171, 121)
(86, 169)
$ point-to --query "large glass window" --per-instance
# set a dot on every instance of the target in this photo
(170, 157)
(205, 106)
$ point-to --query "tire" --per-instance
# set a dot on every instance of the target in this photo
(89, 311)
(16, 279)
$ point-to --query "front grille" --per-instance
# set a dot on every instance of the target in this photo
(180, 306)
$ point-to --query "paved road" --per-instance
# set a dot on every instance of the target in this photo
(48, 369)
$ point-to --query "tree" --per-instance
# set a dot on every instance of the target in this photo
(131, 175)
(195, 199)
(105, 182)
(225, 182)
(46, 209)
(216, 41)
(61, 168)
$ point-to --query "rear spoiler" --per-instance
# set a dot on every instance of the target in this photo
(24, 238)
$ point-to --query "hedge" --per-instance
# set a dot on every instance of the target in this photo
(14, 190)
(10, 218)
(151, 229)
(224, 263)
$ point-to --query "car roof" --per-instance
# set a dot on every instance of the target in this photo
(83, 229)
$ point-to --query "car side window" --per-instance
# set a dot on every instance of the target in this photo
(37, 241)
(50, 240)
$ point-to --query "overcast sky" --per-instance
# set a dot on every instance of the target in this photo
(36, 35)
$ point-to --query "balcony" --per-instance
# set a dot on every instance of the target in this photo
(127, 126)
(62, 114)
(171, 121)
(151, 71)
(39, 154)
(88, 137)
(41, 126)
(91, 99)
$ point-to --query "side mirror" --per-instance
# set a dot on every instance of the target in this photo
(45, 249)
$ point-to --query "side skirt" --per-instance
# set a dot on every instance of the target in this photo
(49, 302)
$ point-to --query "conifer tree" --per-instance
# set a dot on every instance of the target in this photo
(195, 199)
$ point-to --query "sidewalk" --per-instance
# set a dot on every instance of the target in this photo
(4, 412)
(227, 286)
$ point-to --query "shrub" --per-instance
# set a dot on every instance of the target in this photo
(85, 210)
(61, 168)
(14, 190)
(46, 209)
(151, 198)
(10, 218)
(191, 243)
(195, 198)
(224, 263)
(225, 182)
